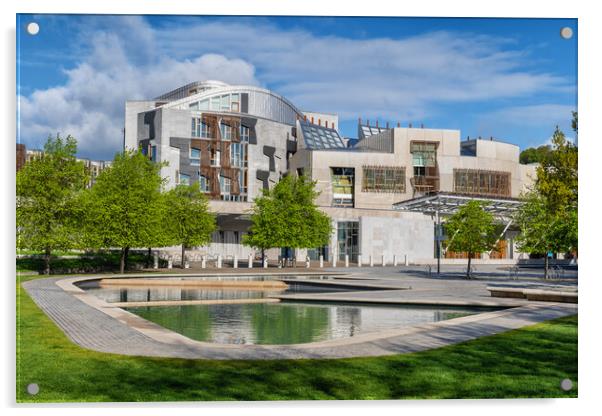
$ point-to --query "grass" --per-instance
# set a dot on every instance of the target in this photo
(528, 362)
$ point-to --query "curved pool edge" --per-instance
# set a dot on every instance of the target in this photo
(97, 325)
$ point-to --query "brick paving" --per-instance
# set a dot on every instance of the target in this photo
(98, 326)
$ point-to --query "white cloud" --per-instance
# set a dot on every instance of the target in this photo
(533, 115)
(397, 79)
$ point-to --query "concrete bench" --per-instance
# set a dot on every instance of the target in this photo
(506, 292)
(534, 294)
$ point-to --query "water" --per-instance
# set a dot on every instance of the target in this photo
(289, 323)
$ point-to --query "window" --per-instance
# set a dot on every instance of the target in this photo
(195, 156)
(215, 157)
(423, 154)
(200, 128)
(184, 179)
(235, 102)
(384, 179)
(225, 185)
(244, 134)
(204, 104)
(342, 180)
(226, 131)
(238, 155)
(225, 102)
(154, 153)
(482, 182)
(203, 183)
(215, 103)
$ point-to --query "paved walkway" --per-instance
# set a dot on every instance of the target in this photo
(96, 325)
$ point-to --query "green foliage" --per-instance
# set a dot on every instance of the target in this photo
(187, 218)
(286, 216)
(535, 154)
(548, 218)
(46, 194)
(473, 229)
(124, 208)
(528, 362)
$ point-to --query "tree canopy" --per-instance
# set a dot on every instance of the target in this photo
(535, 154)
(471, 229)
(46, 194)
(124, 208)
(286, 216)
(187, 217)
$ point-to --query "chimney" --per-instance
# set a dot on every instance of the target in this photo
(398, 124)
(304, 117)
(326, 123)
(319, 122)
(421, 125)
(359, 121)
(491, 138)
(312, 120)
(387, 125)
(409, 125)
(376, 123)
(368, 122)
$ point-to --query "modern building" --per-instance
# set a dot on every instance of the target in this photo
(378, 188)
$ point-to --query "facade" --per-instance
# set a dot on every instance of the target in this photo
(234, 141)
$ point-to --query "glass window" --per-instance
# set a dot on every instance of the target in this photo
(244, 133)
(226, 131)
(184, 179)
(215, 103)
(225, 184)
(203, 183)
(154, 153)
(215, 157)
(342, 180)
(204, 104)
(384, 179)
(195, 156)
(225, 102)
(194, 106)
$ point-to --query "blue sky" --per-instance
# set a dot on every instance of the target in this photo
(513, 79)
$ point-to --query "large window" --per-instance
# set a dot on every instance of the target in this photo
(195, 156)
(244, 134)
(238, 155)
(225, 185)
(482, 182)
(203, 183)
(215, 157)
(200, 128)
(342, 180)
(184, 179)
(424, 155)
(384, 179)
(226, 131)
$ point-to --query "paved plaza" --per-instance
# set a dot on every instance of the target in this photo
(100, 326)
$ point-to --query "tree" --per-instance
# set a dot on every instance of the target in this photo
(535, 154)
(188, 220)
(286, 216)
(47, 191)
(472, 229)
(124, 207)
(548, 218)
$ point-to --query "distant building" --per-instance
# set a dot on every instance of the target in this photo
(234, 141)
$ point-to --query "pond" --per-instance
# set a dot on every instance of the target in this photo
(289, 322)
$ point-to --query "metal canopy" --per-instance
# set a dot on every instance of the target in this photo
(444, 203)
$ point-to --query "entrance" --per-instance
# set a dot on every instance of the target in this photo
(347, 239)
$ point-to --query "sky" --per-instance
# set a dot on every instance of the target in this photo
(512, 79)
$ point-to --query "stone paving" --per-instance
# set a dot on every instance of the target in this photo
(96, 325)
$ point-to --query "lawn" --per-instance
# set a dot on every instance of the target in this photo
(529, 362)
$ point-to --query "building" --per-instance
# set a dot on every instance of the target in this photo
(234, 141)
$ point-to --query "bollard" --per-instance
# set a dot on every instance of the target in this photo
(321, 261)
(406, 260)
(235, 262)
(155, 260)
(169, 262)
(250, 264)
(219, 261)
(307, 262)
(394, 260)
(359, 260)
(346, 260)
(204, 262)
(334, 261)
(186, 265)
(384, 262)
(265, 262)
(371, 261)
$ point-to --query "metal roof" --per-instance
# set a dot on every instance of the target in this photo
(318, 137)
(447, 203)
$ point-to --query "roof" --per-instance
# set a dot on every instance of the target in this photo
(318, 137)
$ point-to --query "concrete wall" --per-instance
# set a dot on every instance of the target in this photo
(379, 236)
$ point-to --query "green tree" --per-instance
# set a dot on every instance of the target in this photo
(548, 218)
(47, 191)
(188, 220)
(535, 154)
(124, 208)
(472, 230)
(287, 216)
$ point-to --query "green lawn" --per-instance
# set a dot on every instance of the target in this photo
(528, 362)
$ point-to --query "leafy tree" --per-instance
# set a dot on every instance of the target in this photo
(548, 218)
(47, 191)
(188, 220)
(473, 230)
(286, 216)
(535, 154)
(124, 208)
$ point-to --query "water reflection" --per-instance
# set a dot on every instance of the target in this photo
(288, 323)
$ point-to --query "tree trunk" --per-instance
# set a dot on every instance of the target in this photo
(183, 255)
(148, 258)
(262, 257)
(545, 267)
(47, 261)
(124, 259)
(468, 268)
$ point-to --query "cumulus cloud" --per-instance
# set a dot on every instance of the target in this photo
(398, 79)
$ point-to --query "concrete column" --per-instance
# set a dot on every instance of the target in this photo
(359, 260)
(250, 265)
(395, 260)
(346, 260)
(155, 260)
(203, 262)
(170, 262)
(236, 262)
(384, 261)
(371, 260)
(265, 262)
(219, 261)
(334, 261)
(321, 261)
